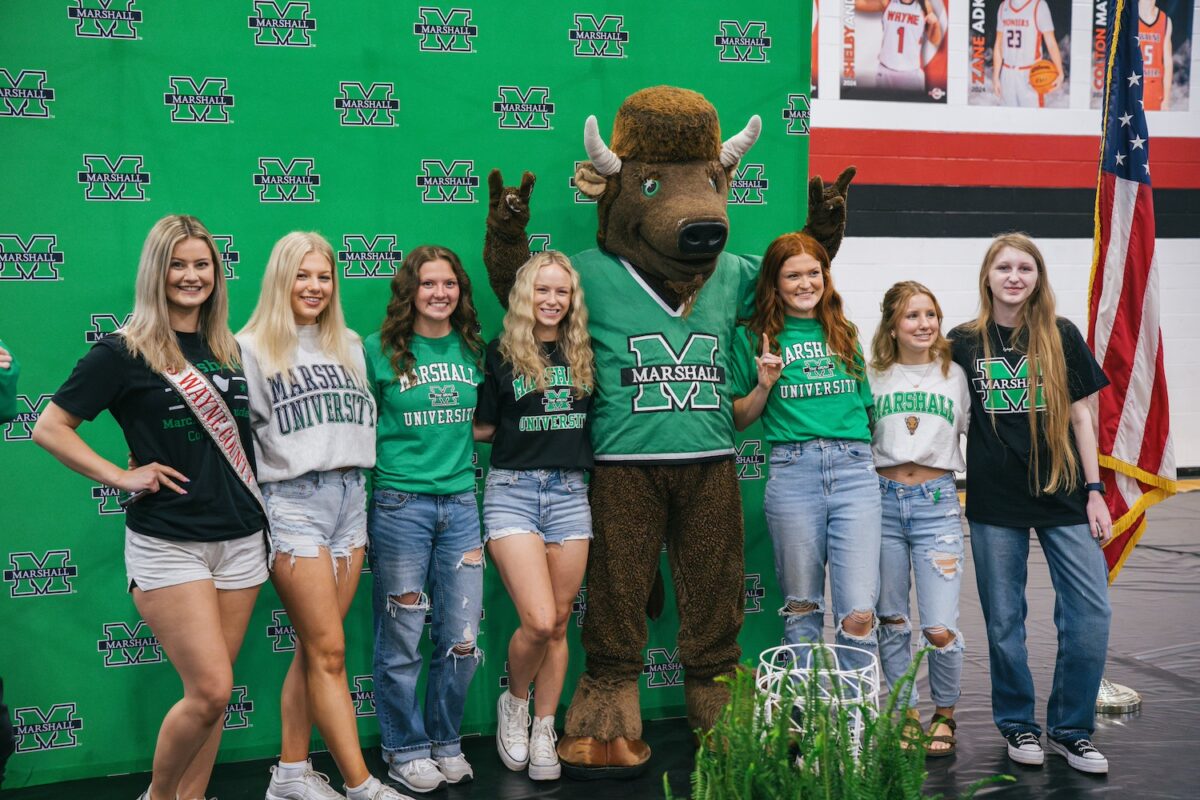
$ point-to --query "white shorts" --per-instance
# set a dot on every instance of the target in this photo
(912, 80)
(152, 563)
(1015, 88)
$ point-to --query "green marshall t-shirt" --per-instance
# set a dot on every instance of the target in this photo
(815, 397)
(662, 385)
(423, 443)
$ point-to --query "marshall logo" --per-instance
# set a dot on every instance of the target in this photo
(106, 179)
(229, 257)
(282, 24)
(539, 242)
(377, 258)
(20, 427)
(605, 38)
(580, 197)
(557, 400)
(105, 19)
(24, 94)
(579, 606)
(750, 460)
(206, 101)
(797, 115)
(237, 713)
(34, 576)
(33, 259)
(817, 369)
(371, 107)
(524, 109)
(107, 500)
(363, 695)
(754, 593)
(103, 325)
(53, 729)
(662, 668)
(1005, 389)
(442, 183)
(743, 43)
(747, 186)
(281, 632)
(293, 182)
(443, 395)
(667, 380)
(124, 646)
(446, 31)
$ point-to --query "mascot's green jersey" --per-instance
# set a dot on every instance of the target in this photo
(662, 378)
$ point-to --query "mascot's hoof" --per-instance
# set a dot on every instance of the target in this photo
(587, 759)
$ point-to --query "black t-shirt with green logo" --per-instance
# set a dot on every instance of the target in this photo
(999, 448)
(535, 430)
(158, 426)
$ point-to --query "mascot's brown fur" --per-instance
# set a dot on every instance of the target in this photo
(661, 194)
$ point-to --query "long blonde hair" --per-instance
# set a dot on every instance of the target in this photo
(272, 326)
(148, 334)
(1037, 337)
(521, 349)
(885, 349)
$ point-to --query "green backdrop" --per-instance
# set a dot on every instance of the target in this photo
(374, 123)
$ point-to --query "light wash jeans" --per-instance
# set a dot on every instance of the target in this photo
(822, 507)
(1081, 615)
(922, 536)
(420, 540)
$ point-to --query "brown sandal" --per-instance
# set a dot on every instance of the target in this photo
(911, 732)
(951, 740)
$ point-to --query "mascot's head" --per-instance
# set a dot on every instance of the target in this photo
(662, 186)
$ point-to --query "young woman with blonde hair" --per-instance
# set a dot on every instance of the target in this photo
(423, 367)
(799, 366)
(922, 406)
(1032, 463)
(314, 434)
(195, 553)
(533, 407)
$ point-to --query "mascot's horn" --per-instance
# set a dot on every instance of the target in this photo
(736, 146)
(604, 160)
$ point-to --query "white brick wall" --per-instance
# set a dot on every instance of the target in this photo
(865, 268)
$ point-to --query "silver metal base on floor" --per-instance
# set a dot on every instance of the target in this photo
(1116, 699)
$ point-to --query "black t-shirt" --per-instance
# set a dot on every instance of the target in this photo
(158, 426)
(535, 429)
(999, 448)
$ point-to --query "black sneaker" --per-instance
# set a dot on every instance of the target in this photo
(1080, 754)
(1024, 747)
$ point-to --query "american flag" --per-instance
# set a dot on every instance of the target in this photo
(1137, 460)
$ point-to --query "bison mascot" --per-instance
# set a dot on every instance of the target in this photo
(663, 298)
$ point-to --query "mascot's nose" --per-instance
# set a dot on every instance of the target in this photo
(702, 237)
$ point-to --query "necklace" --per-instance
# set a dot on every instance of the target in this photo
(920, 380)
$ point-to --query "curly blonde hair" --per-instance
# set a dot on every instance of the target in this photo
(521, 349)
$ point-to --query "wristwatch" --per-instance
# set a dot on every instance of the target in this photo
(1094, 487)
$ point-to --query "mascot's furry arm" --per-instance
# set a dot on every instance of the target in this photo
(506, 247)
(827, 210)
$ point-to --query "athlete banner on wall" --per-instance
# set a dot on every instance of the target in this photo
(375, 124)
(1165, 35)
(1019, 53)
(894, 50)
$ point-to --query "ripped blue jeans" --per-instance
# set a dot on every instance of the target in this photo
(427, 546)
(922, 535)
(822, 510)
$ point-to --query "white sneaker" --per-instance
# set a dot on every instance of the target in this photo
(543, 757)
(1080, 754)
(311, 785)
(377, 790)
(456, 768)
(420, 774)
(1025, 747)
(512, 731)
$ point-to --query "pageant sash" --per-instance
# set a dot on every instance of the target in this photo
(217, 421)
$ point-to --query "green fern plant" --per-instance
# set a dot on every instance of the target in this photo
(753, 754)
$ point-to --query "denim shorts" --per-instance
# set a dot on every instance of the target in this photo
(550, 502)
(153, 563)
(318, 509)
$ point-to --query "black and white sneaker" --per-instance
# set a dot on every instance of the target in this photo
(1080, 754)
(1024, 747)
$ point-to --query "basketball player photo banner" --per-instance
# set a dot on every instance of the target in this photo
(894, 50)
(1165, 35)
(1020, 53)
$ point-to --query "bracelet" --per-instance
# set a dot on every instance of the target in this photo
(1094, 487)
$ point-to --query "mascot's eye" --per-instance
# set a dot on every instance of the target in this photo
(713, 183)
(650, 187)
